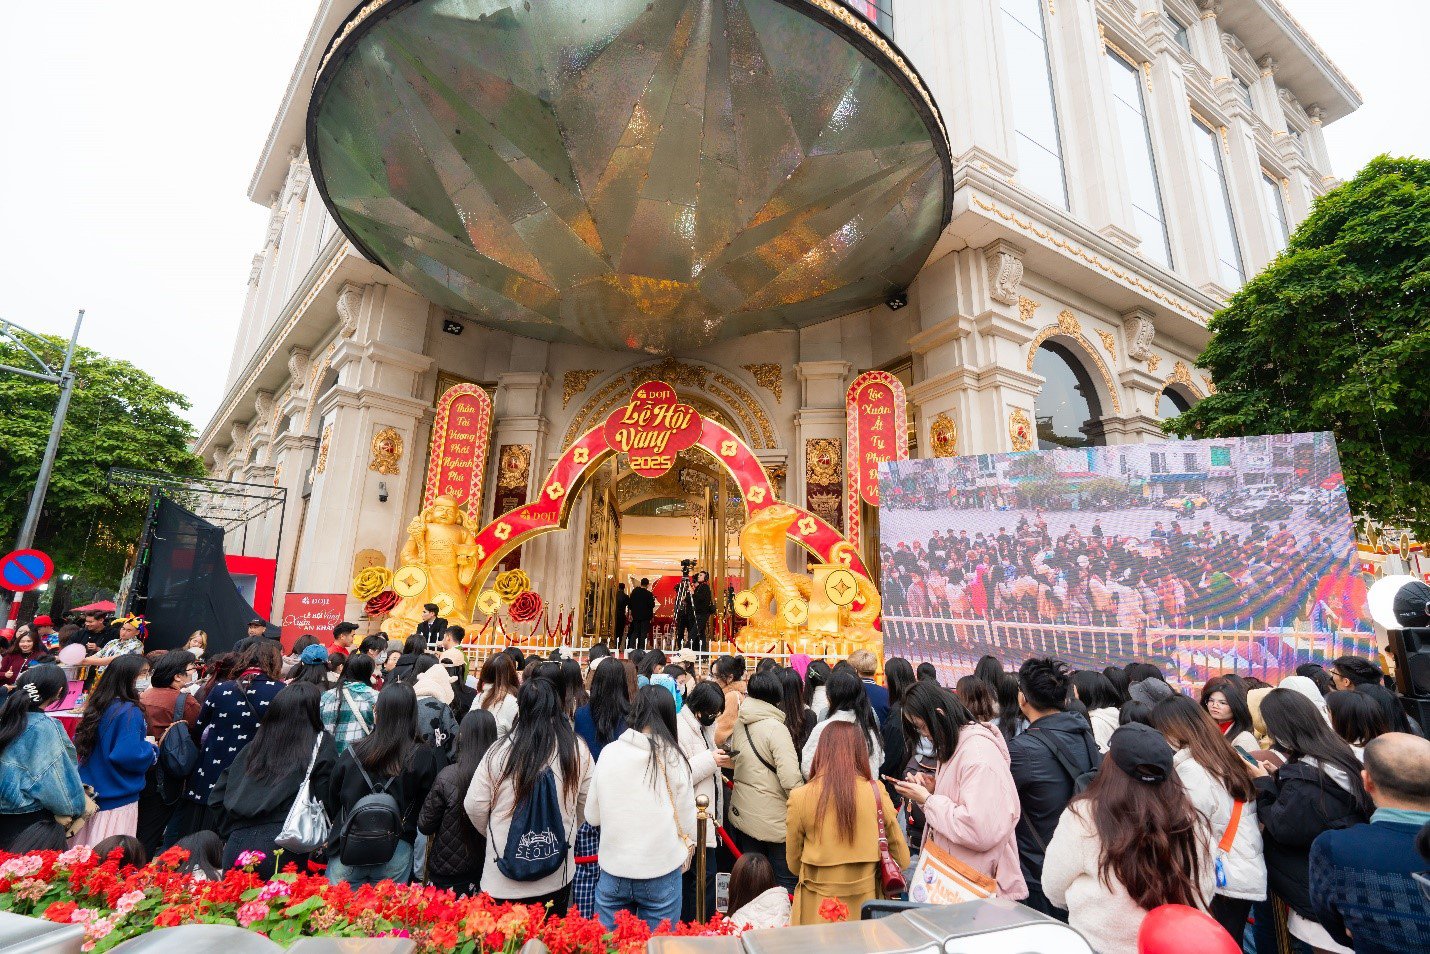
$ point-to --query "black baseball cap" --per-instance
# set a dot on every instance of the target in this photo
(1142, 752)
(257, 622)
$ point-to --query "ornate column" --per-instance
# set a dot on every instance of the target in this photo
(816, 481)
(977, 321)
(955, 46)
(373, 435)
(1095, 172)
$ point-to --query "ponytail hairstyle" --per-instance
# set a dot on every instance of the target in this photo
(37, 687)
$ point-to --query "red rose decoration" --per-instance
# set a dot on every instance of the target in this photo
(381, 604)
(525, 607)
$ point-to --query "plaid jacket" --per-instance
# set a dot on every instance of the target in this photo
(348, 719)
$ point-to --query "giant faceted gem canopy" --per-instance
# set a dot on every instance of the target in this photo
(643, 174)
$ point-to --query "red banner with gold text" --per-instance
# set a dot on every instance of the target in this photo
(876, 431)
(460, 435)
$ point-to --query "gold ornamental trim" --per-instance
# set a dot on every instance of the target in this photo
(574, 382)
(1108, 342)
(1069, 327)
(1154, 361)
(823, 457)
(943, 435)
(1026, 308)
(386, 452)
(1020, 430)
(515, 466)
(1079, 252)
(768, 376)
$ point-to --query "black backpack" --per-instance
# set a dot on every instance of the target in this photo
(178, 755)
(536, 844)
(1080, 779)
(371, 830)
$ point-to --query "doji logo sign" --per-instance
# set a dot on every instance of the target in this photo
(652, 428)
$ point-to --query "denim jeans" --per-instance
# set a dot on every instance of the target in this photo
(399, 869)
(651, 899)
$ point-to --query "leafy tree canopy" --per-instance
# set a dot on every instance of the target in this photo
(118, 416)
(1335, 335)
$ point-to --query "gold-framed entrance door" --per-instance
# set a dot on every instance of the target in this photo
(601, 560)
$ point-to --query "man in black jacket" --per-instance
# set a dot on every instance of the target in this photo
(623, 606)
(432, 626)
(1047, 759)
(642, 603)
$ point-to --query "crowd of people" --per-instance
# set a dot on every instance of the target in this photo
(1296, 816)
(1181, 573)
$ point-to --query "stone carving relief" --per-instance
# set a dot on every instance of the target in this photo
(349, 303)
(1005, 274)
(298, 362)
(1139, 332)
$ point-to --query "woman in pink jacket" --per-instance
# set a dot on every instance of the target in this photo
(970, 804)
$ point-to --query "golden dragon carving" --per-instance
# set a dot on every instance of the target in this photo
(762, 544)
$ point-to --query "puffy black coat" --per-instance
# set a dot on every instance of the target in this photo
(1044, 786)
(1294, 806)
(456, 851)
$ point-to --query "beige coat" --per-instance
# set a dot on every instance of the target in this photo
(757, 804)
(830, 866)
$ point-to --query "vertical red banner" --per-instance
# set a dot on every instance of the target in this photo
(460, 436)
(876, 431)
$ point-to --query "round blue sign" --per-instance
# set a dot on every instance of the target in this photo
(25, 570)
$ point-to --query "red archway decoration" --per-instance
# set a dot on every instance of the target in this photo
(551, 508)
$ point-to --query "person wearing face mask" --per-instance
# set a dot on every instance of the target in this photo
(696, 725)
(165, 703)
(970, 804)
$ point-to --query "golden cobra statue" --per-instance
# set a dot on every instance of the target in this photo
(762, 544)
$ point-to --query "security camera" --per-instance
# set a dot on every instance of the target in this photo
(382, 491)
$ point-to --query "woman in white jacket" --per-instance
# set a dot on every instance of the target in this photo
(643, 801)
(695, 724)
(1097, 693)
(1130, 843)
(1217, 781)
(848, 702)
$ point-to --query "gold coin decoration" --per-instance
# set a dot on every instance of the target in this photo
(409, 581)
(444, 604)
(795, 612)
(841, 587)
(489, 601)
(746, 604)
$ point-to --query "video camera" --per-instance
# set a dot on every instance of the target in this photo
(686, 566)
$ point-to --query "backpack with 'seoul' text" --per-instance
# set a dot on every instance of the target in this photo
(536, 844)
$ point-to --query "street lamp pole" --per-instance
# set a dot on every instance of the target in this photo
(65, 379)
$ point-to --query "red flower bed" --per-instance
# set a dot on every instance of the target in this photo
(115, 904)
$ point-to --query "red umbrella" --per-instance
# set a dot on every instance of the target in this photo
(103, 606)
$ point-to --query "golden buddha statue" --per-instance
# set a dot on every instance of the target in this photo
(441, 542)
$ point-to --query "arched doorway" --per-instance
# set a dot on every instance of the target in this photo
(639, 528)
(1068, 410)
(1170, 403)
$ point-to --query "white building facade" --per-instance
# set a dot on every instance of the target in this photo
(1120, 168)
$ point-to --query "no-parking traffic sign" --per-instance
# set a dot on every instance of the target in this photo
(25, 570)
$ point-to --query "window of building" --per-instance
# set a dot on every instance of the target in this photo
(1223, 225)
(1159, 462)
(1178, 29)
(1136, 141)
(1189, 462)
(1035, 113)
(1170, 404)
(1068, 406)
(1271, 190)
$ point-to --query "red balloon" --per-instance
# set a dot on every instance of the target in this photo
(1176, 929)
